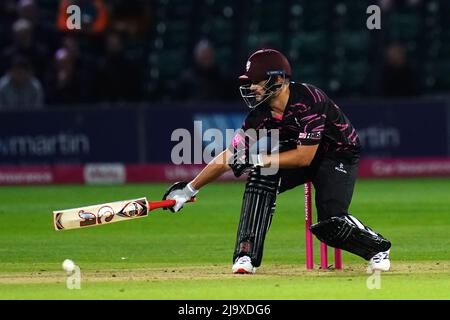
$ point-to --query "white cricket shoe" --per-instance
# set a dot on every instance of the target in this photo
(243, 265)
(381, 261)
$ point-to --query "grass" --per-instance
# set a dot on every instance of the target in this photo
(188, 255)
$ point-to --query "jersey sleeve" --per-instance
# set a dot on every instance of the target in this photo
(311, 129)
(311, 123)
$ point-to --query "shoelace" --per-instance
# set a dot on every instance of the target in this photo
(244, 260)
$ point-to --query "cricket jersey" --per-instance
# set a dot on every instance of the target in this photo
(310, 118)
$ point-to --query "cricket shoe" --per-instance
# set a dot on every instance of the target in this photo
(243, 265)
(381, 261)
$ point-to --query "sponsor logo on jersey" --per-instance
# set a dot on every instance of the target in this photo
(341, 168)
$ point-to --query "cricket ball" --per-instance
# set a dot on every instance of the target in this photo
(68, 265)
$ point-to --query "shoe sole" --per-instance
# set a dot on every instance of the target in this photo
(381, 269)
(243, 271)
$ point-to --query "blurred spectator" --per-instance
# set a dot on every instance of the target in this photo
(119, 77)
(19, 89)
(398, 78)
(201, 82)
(67, 80)
(7, 18)
(26, 46)
(94, 16)
(27, 9)
(132, 20)
(43, 29)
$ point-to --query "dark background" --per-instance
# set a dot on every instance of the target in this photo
(144, 50)
(137, 70)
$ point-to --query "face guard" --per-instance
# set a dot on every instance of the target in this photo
(270, 89)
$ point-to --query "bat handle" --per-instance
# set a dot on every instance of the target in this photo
(152, 205)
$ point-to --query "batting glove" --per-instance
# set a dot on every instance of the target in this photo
(243, 165)
(181, 192)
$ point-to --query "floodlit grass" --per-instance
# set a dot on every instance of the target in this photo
(188, 255)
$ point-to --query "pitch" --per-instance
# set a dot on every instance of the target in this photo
(188, 255)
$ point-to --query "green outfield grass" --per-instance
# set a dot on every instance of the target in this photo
(188, 255)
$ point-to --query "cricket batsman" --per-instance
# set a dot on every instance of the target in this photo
(317, 143)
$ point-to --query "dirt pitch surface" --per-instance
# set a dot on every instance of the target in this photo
(216, 272)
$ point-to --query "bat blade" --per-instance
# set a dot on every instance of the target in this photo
(100, 214)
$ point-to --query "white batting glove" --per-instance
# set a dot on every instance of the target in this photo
(181, 192)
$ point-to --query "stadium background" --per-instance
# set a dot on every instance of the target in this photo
(100, 106)
(113, 92)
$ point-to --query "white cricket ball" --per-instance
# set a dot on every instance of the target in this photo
(68, 265)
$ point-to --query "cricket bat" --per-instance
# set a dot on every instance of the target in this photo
(100, 214)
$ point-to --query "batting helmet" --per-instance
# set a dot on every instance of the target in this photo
(264, 65)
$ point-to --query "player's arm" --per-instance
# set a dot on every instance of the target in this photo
(302, 156)
(307, 144)
(226, 160)
(216, 168)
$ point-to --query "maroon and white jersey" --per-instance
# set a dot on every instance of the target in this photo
(310, 118)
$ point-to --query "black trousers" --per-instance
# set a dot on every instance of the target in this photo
(333, 180)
